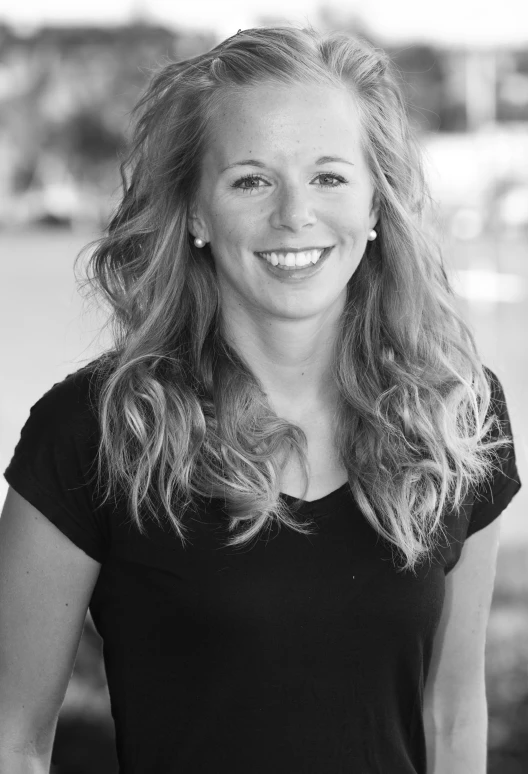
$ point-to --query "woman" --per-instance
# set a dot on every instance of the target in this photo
(264, 491)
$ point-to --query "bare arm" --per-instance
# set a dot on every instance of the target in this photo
(455, 706)
(45, 587)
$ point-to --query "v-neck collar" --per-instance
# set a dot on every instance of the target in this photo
(322, 504)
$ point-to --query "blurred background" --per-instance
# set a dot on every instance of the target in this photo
(70, 74)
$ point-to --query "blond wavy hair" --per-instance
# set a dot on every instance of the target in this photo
(181, 415)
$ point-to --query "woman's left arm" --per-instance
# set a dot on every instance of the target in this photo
(455, 705)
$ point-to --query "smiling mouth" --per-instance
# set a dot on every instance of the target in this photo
(295, 259)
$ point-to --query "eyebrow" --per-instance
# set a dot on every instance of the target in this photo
(257, 163)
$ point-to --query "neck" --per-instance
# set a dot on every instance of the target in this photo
(291, 358)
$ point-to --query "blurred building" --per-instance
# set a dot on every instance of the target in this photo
(66, 96)
(65, 101)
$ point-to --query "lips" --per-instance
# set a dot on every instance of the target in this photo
(295, 273)
(284, 250)
(294, 258)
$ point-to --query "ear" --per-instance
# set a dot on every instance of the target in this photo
(196, 223)
(374, 210)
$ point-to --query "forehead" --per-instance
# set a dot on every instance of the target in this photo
(275, 122)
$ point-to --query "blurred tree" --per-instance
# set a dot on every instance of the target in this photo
(512, 86)
(424, 84)
(66, 98)
(422, 68)
(87, 144)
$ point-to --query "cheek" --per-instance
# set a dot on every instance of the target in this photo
(350, 217)
(226, 227)
(352, 226)
(236, 232)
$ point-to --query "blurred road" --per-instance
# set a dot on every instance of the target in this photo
(47, 331)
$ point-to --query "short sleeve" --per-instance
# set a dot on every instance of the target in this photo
(495, 493)
(54, 463)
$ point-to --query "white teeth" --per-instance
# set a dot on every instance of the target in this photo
(293, 259)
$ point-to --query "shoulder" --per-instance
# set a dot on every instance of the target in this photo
(54, 464)
(70, 406)
(497, 395)
(60, 437)
(494, 492)
(488, 498)
(77, 393)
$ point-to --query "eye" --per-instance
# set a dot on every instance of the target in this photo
(249, 183)
(335, 180)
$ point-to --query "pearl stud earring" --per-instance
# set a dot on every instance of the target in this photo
(372, 235)
(199, 242)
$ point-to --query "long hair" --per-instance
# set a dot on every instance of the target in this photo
(182, 417)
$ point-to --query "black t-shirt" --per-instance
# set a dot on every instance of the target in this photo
(298, 655)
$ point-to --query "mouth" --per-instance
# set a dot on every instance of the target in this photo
(295, 259)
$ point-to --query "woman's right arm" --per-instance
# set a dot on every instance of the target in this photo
(45, 587)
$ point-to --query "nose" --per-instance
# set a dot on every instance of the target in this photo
(293, 209)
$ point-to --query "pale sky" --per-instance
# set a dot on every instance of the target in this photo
(471, 22)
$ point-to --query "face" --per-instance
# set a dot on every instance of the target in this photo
(284, 178)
